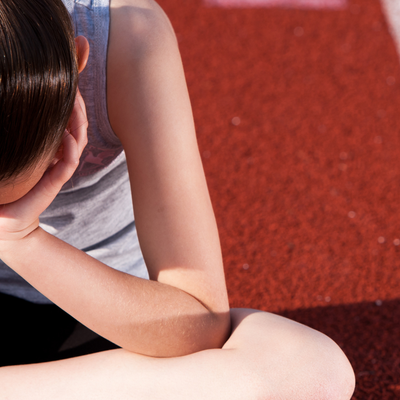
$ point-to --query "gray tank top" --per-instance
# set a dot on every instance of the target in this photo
(93, 211)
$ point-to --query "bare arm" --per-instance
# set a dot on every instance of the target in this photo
(146, 317)
(184, 307)
(150, 111)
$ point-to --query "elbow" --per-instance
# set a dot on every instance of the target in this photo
(210, 329)
(181, 336)
(203, 332)
(217, 331)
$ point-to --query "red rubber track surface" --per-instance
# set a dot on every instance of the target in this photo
(297, 115)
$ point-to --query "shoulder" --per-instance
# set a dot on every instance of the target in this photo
(139, 28)
(143, 63)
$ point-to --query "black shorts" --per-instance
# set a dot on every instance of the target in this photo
(32, 333)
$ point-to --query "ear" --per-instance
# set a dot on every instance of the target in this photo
(82, 51)
(57, 156)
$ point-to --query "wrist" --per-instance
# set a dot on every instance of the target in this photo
(11, 242)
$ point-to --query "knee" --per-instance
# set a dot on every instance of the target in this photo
(287, 360)
(335, 372)
(326, 373)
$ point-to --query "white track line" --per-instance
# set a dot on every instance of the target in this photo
(391, 9)
(316, 4)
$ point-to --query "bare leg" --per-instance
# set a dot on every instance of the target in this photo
(266, 357)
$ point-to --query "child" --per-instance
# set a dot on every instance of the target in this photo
(171, 327)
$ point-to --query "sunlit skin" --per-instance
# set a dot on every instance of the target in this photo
(169, 328)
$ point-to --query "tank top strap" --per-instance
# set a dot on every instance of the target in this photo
(91, 19)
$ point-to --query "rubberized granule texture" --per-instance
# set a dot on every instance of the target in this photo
(298, 118)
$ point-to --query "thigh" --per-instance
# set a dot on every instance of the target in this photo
(266, 357)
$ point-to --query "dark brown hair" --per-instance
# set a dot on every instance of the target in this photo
(38, 81)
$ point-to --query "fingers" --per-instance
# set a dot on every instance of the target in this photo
(61, 172)
(40, 197)
(78, 122)
(22, 216)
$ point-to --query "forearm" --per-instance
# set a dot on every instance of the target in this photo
(143, 316)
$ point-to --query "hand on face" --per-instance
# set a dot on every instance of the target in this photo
(19, 218)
